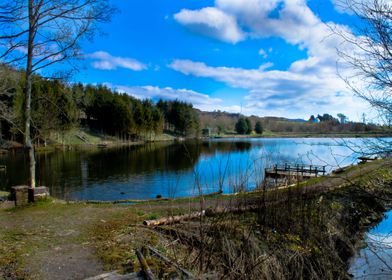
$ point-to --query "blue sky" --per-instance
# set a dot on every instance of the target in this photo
(260, 57)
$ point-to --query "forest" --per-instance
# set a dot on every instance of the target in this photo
(58, 107)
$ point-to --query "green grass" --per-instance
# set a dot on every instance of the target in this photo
(4, 193)
(71, 137)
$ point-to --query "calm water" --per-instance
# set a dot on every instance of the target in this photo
(375, 261)
(169, 169)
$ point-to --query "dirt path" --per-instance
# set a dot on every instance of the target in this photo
(51, 241)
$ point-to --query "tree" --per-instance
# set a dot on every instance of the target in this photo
(259, 127)
(37, 34)
(241, 127)
(312, 119)
(342, 118)
(9, 88)
(220, 129)
(326, 118)
(370, 55)
(249, 126)
(369, 58)
(53, 109)
(180, 116)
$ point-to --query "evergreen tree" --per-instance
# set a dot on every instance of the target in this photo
(241, 127)
(249, 126)
(259, 128)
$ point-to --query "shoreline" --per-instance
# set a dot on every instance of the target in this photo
(114, 144)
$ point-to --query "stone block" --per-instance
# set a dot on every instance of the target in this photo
(20, 194)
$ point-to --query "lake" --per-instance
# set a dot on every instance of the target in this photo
(375, 261)
(171, 169)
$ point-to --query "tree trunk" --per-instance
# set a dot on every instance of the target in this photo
(28, 144)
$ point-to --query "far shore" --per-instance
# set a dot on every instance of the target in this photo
(114, 142)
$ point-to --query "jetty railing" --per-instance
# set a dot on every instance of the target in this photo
(294, 170)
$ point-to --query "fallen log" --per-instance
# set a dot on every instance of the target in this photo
(173, 219)
(143, 263)
(209, 213)
(116, 276)
(165, 259)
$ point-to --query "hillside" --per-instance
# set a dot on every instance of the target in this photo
(223, 123)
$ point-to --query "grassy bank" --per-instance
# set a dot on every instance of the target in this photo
(307, 231)
(80, 138)
(86, 138)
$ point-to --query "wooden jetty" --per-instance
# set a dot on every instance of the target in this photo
(294, 171)
(364, 159)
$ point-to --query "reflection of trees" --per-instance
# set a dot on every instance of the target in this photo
(209, 148)
(66, 170)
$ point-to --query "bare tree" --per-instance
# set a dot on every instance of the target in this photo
(36, 34)
(369, 58)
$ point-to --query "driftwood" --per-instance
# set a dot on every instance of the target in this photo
(116, 276)
(165, 259)
(173, 219)
(143, 263)
(209, 213)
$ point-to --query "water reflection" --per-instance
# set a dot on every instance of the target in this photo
(168, 169)
(375, 261)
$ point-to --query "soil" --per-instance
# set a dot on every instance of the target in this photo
(51, 240)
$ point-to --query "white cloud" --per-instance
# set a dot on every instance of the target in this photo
(199, 100)
(105, 61)
(212, 22)
(308, 85)
(348, 7)
(284, 93)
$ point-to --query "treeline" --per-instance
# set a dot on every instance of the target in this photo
(180, 117)
(58, 107)
(322, 127)
(221, 122)
(244, 126)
